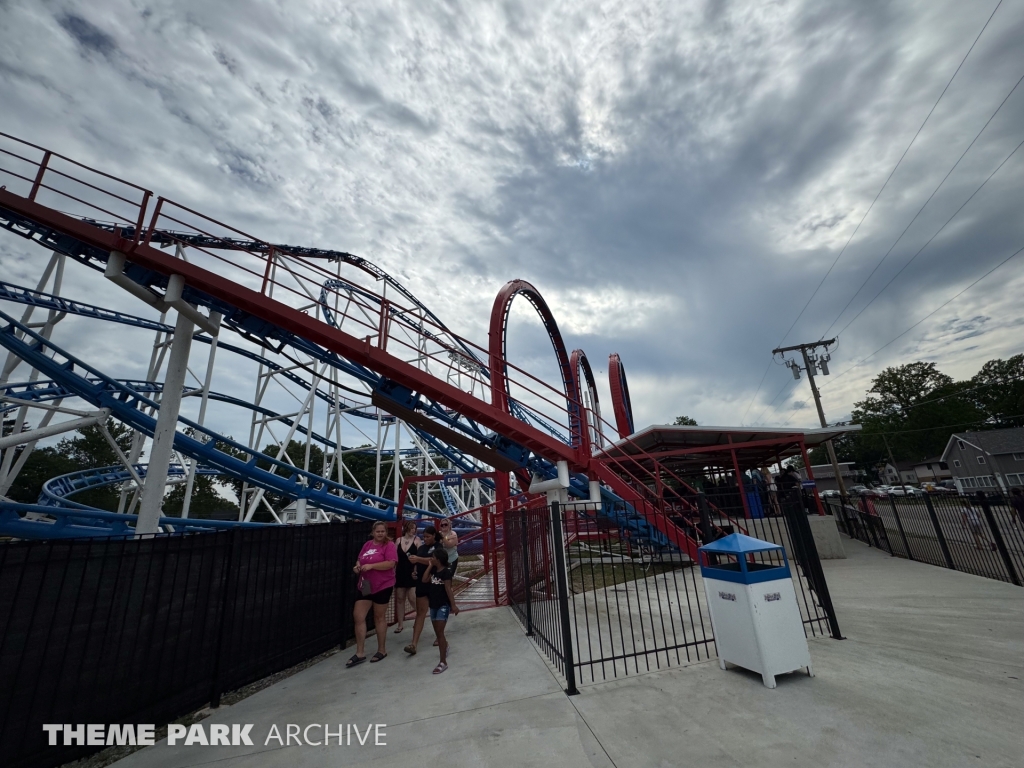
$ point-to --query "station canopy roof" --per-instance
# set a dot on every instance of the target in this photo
(691, 449)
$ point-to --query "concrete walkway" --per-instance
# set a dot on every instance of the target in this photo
(930, 675)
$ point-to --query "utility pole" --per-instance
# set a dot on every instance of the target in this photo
(812, 361)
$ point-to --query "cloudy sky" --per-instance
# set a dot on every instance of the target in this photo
(675, 177)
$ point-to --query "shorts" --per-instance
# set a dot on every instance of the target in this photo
(440, 614)
(404, 580)
(383, 597)
(422, 590)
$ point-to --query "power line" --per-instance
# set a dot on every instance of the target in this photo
(759, 385)
(853, 234)
(912, 258)
(961, 393)
(889, 177)
(954, 394)
(921, 210)
(946, 302)
(760, 418)
(941, 426)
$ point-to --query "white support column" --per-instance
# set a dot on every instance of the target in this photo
(12, 361)
(166, 422)
(215, 317)
(30, 436)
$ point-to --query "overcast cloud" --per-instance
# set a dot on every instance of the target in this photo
(675, 177)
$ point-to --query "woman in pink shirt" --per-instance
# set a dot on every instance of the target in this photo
(376, 570)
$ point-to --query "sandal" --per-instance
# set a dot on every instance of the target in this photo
(399, 630)
(410, 649)
(378, 656)
(440, 668)
(355, 660)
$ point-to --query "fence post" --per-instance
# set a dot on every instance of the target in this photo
(939, 534)
(705, 519)
(563, 599)
(227, 582)
(1000, 543)
(805, 549)
(880, 526)
(903, 535)
(526, 574)
(864, 523)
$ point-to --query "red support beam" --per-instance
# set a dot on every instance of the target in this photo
(810, 476)
(39, 176)
(739, 482)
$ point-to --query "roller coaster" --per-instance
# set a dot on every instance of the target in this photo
(339, 351)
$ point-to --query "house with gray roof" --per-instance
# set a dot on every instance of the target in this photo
(986, 461)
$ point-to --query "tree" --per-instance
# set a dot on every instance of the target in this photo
(41, 465)
(206, 503)
(914, 405)
(685, 421)
(999, 391)
(89, 449)
(85, 449)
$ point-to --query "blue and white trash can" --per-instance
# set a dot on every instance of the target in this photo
(753, 607)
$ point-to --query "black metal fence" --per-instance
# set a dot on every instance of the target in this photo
(979, 534)
(147, 630)
(783, 518)
(602, 604)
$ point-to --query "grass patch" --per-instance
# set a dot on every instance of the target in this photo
(588, 577)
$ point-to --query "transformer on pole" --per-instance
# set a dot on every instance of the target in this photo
(814, 361)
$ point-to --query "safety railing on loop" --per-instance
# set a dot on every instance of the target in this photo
(42, 176)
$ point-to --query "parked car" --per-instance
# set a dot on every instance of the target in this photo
(830, 494)
(905, 490)
(863, 490)
(938, 488)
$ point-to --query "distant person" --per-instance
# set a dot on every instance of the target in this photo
(973, 523)
(772, 487)
(871, 519)
(789, 485)
(1017, 502)
(376, 570)
(442, 602)
(405, 582)
(421, 560)
(787, 480)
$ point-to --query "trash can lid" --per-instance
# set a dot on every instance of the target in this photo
(738, 543)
